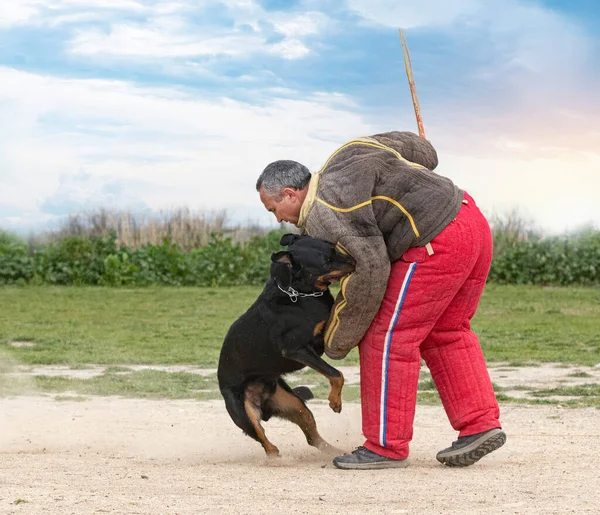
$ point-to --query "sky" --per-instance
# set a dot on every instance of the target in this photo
(161, 104)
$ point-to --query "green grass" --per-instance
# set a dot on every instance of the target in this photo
(584, 390)
(120, 326)
(532, 324)
(151, 384)
(579, 374)
(78, 326)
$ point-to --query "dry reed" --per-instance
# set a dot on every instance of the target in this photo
(180, 226)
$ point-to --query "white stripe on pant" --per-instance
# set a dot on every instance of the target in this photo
(386, 354)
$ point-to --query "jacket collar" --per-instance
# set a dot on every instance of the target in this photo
(309, 200)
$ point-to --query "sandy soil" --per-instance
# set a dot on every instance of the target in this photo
(109, 455)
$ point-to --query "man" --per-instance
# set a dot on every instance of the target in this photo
(423, 251)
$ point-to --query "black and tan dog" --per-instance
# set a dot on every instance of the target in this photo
(282, 333)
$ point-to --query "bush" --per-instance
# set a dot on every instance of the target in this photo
(16, 265)
(520, 258)
(74, 260)
(560, 261)
(98, 260)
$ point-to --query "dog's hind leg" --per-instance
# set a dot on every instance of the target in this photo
(234, 403)
(285, 404)
(255, 396)
(310, 358)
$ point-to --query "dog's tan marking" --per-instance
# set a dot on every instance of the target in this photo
(335, 394)
(252, 404)
(321, 283)
(319, 328)
(293, 409)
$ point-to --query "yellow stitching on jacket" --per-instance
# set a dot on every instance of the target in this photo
(344, 209)
(375, 144)
(367, 202)
(370, 142)
(335, 320)
(340, 248)
(401, 208)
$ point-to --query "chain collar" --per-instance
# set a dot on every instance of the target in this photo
(294, 294)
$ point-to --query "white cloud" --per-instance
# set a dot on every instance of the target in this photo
(165, 29)
(54, 12)
(98, 4)
(302, 24)
(408, 14)
(525, 36)
(535, 145)
(173, 36)
(290, 49)
(165, 146)
(84, 192)
(559, 194)
(77, 140)
(16, 13)
(161, 38)
(531, 84)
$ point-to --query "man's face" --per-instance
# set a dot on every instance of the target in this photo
(287, 209)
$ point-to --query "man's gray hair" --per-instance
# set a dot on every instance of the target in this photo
(283, 174)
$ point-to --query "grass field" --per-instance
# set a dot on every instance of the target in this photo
(78, 326)
(168, 326)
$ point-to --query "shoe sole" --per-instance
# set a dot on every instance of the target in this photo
(379, 465)
(473, 452)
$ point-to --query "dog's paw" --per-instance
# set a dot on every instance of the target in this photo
(272, 452)
(336, 404)
(329, 449)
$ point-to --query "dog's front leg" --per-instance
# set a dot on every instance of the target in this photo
(307, 356)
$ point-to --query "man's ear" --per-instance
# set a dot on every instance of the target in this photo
(288, 239)
(281, 268)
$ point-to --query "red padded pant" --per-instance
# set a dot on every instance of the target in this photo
(426, 312)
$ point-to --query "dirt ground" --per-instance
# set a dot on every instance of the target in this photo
(110, 455)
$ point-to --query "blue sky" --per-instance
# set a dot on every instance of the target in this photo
(149, 105)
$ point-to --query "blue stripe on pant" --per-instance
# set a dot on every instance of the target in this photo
(386, 353)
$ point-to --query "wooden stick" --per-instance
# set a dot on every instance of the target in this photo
(411, 84)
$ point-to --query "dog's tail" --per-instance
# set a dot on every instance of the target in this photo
(304, 392)
(234, 402)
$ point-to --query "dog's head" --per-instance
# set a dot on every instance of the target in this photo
(309, 264)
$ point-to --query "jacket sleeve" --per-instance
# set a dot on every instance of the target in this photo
(362, 291)
(343, 213)
(360, 295)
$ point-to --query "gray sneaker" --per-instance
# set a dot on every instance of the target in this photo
(469, 449)
(364, 459)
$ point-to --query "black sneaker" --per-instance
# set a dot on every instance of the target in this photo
(469, 449)
(364, 459)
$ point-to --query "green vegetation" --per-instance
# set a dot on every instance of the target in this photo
(142, 384)
(78, 326)
(564, 260)
(522, 324)
(100, 261)
(105, 260)
(127, 307)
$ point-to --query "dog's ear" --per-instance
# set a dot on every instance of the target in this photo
(282, 257)
(281, 268)
(288, 239)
